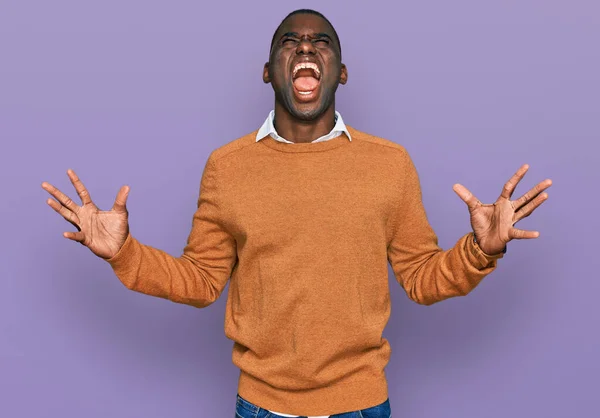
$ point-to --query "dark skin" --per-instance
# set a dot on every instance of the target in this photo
(304, 38)
(301, 118)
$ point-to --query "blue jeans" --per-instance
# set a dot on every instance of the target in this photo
(245, 409)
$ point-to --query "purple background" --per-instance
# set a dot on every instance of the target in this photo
(139, 93)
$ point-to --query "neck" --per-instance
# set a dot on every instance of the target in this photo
(303, 131)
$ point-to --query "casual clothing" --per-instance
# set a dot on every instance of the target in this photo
(246, 409)
(268, 128)
(304, 233)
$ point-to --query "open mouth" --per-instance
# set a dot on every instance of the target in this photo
(306, 78)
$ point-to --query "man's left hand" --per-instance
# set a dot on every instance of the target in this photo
(493, 224)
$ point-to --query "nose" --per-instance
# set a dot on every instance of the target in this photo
(305, 46)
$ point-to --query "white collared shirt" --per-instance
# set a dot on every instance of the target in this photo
(268, 128)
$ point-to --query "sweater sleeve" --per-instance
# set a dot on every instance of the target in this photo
(200, 274)
(427, 273)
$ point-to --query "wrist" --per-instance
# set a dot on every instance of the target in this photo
(488, 253)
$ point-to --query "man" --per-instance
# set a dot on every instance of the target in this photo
(303, 216)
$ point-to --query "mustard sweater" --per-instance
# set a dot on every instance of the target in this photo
(304, 233)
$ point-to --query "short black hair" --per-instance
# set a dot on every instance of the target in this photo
(309, 12)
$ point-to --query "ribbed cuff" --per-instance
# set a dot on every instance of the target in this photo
(126, 261)
(476, 255)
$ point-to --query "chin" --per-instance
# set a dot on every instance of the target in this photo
(306, 114)
(306, 111)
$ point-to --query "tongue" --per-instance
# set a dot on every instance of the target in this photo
(306, 83)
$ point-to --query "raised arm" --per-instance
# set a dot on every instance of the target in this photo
(427, 273)
(195, 278)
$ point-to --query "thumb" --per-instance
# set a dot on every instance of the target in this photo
(466, 195)
(121, 200)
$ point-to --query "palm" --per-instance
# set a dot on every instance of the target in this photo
(493, 224)
(103, 232)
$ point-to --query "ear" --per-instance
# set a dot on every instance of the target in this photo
(344, 75)
(266, 77)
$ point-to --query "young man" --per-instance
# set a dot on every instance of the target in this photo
(303, 216)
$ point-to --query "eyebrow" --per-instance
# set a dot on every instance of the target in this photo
(323, 35)
(317, 35)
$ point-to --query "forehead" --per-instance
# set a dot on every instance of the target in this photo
(304, 23)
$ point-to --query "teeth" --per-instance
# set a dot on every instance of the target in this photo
(310, 65)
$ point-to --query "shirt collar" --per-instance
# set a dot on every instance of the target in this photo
(268, 128)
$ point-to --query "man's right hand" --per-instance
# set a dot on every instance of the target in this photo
(103, 232)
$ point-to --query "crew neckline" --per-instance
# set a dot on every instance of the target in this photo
(330, 144)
